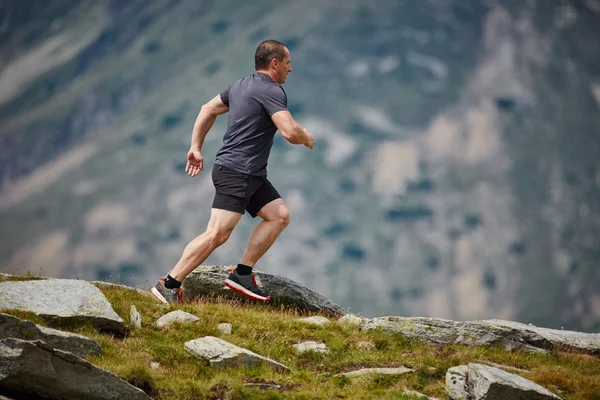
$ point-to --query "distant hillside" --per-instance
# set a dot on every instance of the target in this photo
(455, 173)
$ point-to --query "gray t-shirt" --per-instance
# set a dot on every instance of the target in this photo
(250, 131)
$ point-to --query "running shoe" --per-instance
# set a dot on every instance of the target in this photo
(246, 285)
(166, 295)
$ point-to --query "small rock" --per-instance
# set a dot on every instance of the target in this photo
(154, 365)
(135, 319)
(351, 319)
(311, 346)
(315, 320)
(263, 385)
(222, 353)
(176, 316)
(418, 395)
(225, 328)
(456, 382)
(368, 346)
(383, 371)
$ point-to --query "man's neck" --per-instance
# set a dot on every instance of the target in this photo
(270, 74)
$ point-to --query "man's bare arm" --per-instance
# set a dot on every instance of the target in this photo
(205, 120)
(291, 130)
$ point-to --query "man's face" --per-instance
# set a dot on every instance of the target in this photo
(283, 67)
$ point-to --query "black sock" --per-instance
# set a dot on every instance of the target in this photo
(243, 269)
(171, 283)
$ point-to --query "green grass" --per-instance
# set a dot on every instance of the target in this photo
(271, 332)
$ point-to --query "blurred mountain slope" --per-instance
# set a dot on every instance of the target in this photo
(455, 174)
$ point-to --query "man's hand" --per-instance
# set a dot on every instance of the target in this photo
(310, 140)
(195, 162)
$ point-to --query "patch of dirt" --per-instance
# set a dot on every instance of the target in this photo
(218, 392)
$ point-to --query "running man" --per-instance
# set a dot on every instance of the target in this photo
(257, 106)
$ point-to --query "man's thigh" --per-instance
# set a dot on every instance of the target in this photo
(225, 220)
(263, 196)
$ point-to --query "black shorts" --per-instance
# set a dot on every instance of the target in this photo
(237, 192)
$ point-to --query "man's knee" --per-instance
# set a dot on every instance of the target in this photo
(283, 217)
(217, 236)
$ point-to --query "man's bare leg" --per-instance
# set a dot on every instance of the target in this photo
(276, 217)
(217, 232)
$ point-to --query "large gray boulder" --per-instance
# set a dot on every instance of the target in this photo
(208, 280)
(219, 352)
(33, 369)
(13, 327)
(61, 300)
(482, 382)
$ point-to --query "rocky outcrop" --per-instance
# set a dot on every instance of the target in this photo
(61, 301)
(13, 327)
(207, 281)
(479, 382)
(222, 353)
(509, 335)
(570, 340)
(33, 369)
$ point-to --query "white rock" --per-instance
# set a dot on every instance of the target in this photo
(176, 316)
(135, 319)
(383, 371)
(311, 346)
(456, 383)
(418, 395)
(154, 365)
(314, 320)
(225, 328)
(222, 353)
(352, 320)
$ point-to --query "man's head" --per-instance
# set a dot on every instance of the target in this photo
(273, 58)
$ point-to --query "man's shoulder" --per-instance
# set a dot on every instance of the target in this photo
(255, 86)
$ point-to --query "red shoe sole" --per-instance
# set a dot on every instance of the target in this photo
(241, 290)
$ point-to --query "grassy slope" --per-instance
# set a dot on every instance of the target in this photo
(272, 332)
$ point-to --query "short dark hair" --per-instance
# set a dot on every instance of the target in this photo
(266, 51)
